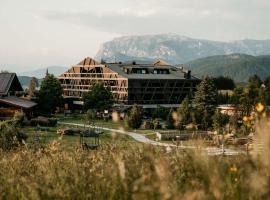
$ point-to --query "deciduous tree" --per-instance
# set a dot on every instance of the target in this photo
(99, 98)
(50, 94)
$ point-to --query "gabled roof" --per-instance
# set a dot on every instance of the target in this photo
(88, 61)
(160, 62)
(9, 82)
(18, 102)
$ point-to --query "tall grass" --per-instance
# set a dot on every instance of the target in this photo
(134, 171)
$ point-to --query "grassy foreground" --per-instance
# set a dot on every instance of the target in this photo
(130, 171)
(124, 169)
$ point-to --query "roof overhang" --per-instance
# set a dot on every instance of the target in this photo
(18, 102)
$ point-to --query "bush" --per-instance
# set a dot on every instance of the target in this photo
(170, 121)
(19, 118)
(10, 136)
(52, 122)
(43, 121)
(157, 124)
(90, 115)
(133, 119)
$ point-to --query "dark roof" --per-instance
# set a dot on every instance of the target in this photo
(17, 102)
(9, 81)
(174, 72)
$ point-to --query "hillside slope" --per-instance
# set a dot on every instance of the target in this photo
(40, 73)
(237, 66)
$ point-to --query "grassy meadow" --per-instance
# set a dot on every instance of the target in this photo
(122, 168)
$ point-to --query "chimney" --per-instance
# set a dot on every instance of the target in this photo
(187, 74)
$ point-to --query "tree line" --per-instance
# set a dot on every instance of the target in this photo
(198, 109)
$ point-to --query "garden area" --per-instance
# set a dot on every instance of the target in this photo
(123, 169)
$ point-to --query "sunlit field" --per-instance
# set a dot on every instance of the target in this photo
(124, 169)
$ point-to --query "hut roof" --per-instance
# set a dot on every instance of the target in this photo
(18, 102)
(9, 82)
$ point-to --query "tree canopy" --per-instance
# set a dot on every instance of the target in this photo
(50, 94)
(184, 113)
(32, 86)
(206, 95)
(99, 98)
(205, 101)
(224, 83)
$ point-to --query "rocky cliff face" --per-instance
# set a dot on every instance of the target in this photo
(175, 49)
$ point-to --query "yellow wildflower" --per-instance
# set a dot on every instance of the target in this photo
(245, 118)
(259, 107)
(233, 169)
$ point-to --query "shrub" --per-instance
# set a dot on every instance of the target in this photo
(133, 119)
(19, 118)
(43, 121)
(90, 115)
(52, 122)
(10, 136)
(169, 121)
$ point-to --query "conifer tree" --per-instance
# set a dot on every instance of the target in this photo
(170, 121)
(184, 113)
(32, 86)
(205, 101)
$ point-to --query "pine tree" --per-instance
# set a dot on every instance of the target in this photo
(32, 86)
(219, 120)
(205, 101)
(169, 121)
(184, 112)
(206, 95)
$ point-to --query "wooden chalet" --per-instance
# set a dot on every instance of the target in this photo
(9, 103)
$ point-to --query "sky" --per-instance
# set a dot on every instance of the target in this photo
(40, 33)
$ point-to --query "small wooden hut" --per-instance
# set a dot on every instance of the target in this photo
(9, 103)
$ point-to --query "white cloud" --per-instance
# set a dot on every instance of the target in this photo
(38, 32)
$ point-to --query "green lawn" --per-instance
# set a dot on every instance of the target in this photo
(67, 141)
(79, 119)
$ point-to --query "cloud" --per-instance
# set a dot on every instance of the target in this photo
(38, 32)
(212, 19)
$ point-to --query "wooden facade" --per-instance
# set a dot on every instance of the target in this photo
(158, 83)
(9, 103)
(80, 78)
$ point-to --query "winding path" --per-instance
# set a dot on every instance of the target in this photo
(141, 138)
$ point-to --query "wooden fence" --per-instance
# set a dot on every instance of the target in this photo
(183, 135)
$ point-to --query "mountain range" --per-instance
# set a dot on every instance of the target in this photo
(175, 49)
(237, 66)
(237, 59)
(25, 77)
(40, 73)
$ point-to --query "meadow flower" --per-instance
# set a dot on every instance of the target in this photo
(259, 107)
(233, 169)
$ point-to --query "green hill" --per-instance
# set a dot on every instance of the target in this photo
(237, 66)
(25, 81)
